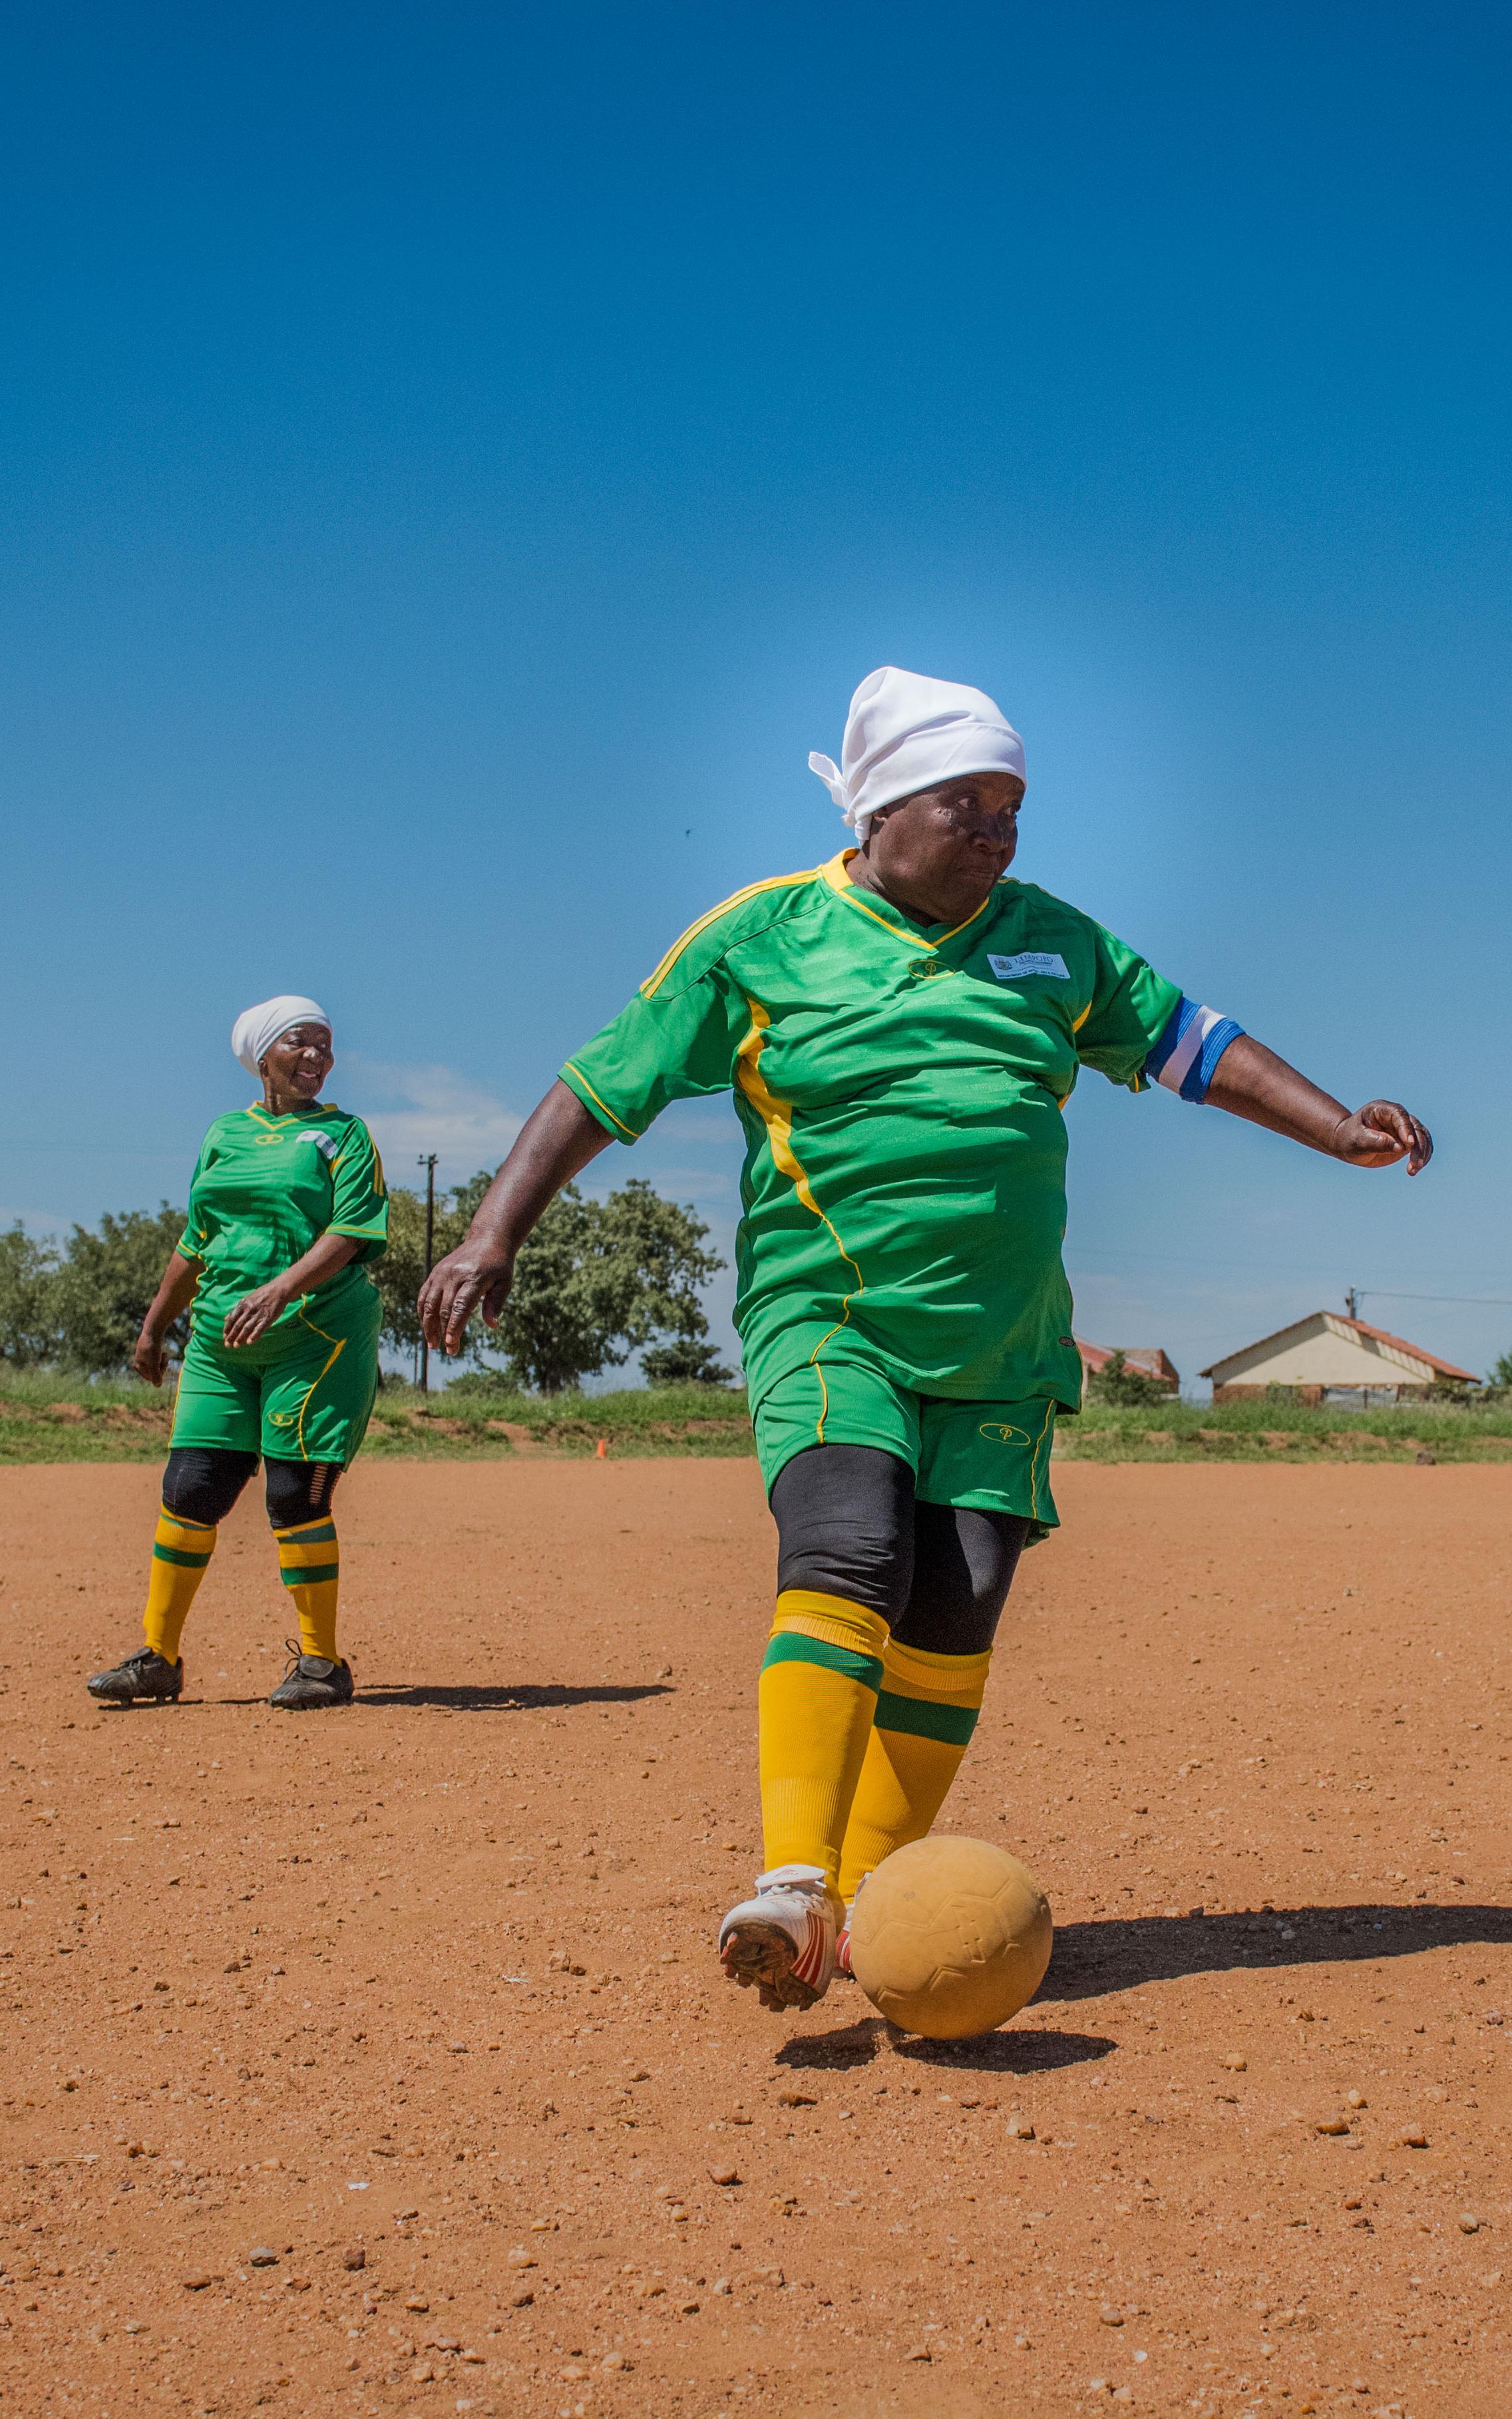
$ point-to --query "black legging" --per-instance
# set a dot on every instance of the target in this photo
(848, 1524)
(201, 1483)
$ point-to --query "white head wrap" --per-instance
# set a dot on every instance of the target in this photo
(905, 732)
(257, 1027)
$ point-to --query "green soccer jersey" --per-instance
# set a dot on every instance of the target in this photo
(900, 1086)
(266, 1188)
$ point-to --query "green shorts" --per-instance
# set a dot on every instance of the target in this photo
(994, 1456)
(302, 1393)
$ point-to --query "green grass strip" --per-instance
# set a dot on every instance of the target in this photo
(793, 1647)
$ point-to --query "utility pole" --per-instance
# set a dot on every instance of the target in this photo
(429, 1163)
(1352, 1301)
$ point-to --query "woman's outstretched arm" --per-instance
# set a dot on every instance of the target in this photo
(1250, 1081)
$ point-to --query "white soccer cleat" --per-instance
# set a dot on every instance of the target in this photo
(783, 1939)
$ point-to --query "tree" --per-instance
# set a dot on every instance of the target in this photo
(1502, 1372)
(597, 1281)
(29, 1330)
(400, 1273)
(107, 1281)
(684, 1364)
(1115, 1382)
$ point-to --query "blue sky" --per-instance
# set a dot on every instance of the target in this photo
(458, 461)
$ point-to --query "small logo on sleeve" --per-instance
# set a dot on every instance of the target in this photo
(1029, 964)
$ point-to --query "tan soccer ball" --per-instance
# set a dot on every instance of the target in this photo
(951, 1938)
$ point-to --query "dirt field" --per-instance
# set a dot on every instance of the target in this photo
(430, 1983)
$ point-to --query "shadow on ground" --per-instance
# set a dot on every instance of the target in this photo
(522, 1699)
(1091, 1959)
(999, 2053)
(463, 1700)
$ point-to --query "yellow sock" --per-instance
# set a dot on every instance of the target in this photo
(309, 1559)
(818, 1691)
(180, 1551)
(927, 1710)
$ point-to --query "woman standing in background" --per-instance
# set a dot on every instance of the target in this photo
(287, 1204)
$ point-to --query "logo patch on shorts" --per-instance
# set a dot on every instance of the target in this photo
(1030, 963)
(1000, 1435)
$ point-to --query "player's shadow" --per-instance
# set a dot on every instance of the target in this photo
(1090, 1959)
(519, 1698)
(1027, 2052)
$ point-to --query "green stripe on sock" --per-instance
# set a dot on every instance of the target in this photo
(183, 1562)
(793, 1647)
(952, 1724)
(308, 1535)
(309, 1574)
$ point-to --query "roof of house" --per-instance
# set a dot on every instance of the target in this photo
(1150, 1360)
(1378, 1334)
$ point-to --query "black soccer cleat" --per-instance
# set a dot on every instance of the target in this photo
(146, 1675)
(313, 1680)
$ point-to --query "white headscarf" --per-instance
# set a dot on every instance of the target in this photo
(905, 732)
(256, 1028)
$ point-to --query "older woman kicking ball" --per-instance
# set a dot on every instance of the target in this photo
(901, 1029)
(286, 1204)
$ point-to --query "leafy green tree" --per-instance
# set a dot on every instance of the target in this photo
(29, 1329)
(400, 1273)
(1502, 1372)
(597, 1281)
(106, 1282)
(686, 1362)
(1115, 1382)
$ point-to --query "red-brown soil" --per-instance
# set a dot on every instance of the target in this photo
(453, 1946)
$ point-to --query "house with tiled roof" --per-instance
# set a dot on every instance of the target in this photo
(1327, 1358)
(1144, 1360)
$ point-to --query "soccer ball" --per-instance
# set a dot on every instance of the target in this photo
(951, 1938)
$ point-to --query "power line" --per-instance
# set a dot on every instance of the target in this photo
(1385, 1293)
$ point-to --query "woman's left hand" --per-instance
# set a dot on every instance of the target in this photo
(255, 1314)
(1380, 1134)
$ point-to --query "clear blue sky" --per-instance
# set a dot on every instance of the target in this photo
(458, 461)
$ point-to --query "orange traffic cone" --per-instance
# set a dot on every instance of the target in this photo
(602, 1454)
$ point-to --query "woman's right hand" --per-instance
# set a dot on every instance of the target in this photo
(475, 1273)
(150, 1360)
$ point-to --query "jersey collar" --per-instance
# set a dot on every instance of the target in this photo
(265, 1116)
(931, 936)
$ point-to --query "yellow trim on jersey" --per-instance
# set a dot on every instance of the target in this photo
(774, 882)
(837, 876)
(776, 1116)
(603, 1104)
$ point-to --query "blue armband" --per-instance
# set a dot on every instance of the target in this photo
(1185, 1057)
